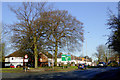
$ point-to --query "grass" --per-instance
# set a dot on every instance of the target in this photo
(65, 69)
(11, 70)
(20, 70)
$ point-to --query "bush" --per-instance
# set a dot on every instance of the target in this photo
(113, 64)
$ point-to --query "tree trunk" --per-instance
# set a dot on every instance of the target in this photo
(98, 59)
(35, 52)
(56, 50)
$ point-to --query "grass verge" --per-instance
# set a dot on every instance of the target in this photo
(20, 70)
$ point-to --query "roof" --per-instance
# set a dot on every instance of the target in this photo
(48, 55)
(17, 53)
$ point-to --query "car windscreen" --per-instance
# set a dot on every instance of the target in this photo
(100, 62)
(80, 64)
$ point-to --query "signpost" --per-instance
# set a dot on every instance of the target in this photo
(26, 60)
(66, 58)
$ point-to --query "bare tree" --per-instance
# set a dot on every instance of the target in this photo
(62, 28)
(26, 34)
(102, 53)
(38, 29)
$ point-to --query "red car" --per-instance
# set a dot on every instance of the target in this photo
(12, 66)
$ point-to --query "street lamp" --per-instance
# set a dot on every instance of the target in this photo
(86, 50)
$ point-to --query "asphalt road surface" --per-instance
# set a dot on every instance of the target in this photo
(76, 75)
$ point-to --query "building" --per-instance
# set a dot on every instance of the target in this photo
(16, 58)
(45, 59)
(74, 59)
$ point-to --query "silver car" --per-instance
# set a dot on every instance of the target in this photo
(102, 64)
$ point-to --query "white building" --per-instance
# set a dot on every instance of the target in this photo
(16, 58)
(14, 61)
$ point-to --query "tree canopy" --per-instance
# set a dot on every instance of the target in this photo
(114, 38)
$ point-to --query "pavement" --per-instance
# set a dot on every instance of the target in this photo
(89, 74)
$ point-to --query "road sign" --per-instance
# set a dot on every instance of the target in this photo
(25, 60)
(66, 57)
(63, 57)
(26, 56)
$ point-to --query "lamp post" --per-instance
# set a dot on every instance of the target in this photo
(86, 50)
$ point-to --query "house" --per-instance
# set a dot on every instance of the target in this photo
(45, 59)
(74, 59)
(16, 58)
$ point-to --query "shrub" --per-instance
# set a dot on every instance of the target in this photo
(113, 64)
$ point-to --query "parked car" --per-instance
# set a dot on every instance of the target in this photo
(18, 66)
(12, 66)
(81, 66)
(102, 64)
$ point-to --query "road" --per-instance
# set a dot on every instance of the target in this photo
(77, 75)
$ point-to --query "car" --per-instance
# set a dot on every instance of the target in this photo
(18, 66)
(81, 66)
(12, 66)
(102, 64)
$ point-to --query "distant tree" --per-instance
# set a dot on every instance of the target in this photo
(102, 53)
(62, 28)
(88, 58)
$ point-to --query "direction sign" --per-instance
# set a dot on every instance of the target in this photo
(63, 57)
(66, 57)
